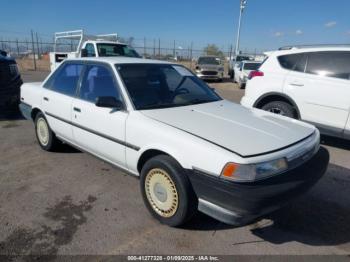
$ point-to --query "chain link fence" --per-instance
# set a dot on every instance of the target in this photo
(33, 53)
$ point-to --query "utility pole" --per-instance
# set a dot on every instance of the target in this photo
(242, 6)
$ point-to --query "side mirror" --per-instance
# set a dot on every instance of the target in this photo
(3, 53)
(109, 102)
(84, 52)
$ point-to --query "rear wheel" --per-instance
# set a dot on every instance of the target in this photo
(46, 138)
(280, 108)
(167, 192)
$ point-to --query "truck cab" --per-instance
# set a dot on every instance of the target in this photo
(101, 48)
(82, 45)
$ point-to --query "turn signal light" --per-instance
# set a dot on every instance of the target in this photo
(229, 169)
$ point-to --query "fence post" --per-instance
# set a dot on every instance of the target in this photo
(17, 47)
(154, 48)
(37, 45)
(191, 55)
(158, 48)
(144, 47)
(33, 51)
(174, 54)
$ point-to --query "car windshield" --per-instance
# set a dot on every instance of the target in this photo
(209, 61)
(154, 86)
(116, 50)
(251, 66)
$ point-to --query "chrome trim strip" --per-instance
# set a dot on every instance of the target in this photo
(136, 148)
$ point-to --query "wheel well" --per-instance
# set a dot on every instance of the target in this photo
(34, 112)
(270, 98)
(148, 154)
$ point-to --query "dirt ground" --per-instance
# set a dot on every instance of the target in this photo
(71, 203)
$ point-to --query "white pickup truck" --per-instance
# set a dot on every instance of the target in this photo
(191, 149)
(88, 46)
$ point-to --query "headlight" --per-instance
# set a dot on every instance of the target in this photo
(253, 172)
(221, 69)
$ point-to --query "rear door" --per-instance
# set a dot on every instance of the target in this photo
(57, 98)
(322, 93)
(99, 130)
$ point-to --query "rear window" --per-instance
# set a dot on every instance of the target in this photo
(251, 66)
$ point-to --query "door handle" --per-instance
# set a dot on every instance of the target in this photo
(296, 84)
(46, 98)
(77, 109)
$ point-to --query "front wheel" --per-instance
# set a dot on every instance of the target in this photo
(280, 108)
(46, 138)
(167, 192)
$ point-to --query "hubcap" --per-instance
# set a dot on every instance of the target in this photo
(42, 131)
(161, 192)
(276, 110)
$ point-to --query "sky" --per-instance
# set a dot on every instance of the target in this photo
(266, 24)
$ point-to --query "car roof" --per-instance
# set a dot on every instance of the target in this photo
(119, 60)
(101, 41)
(295, 50)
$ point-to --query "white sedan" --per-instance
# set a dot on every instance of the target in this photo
(191, 149)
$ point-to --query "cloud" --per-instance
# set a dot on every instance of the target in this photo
(330, 24)
(299, 32)
(278, 34)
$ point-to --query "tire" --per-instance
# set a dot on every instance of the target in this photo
(167, 191)
(46, 138)
(280, 108)
(241, 85)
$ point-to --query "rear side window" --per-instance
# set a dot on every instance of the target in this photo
(66, 79)
(330, 64)
(98, 81)
(295, 62)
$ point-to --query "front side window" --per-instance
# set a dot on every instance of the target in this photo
(330, 64)
(66, 79)
(153, 86)
(98, 81)
(116, 50)
(90, 49)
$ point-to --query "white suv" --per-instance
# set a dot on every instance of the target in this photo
(306, 83)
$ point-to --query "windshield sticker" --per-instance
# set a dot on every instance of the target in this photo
(183, 71)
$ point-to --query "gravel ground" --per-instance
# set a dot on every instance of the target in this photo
(72, 203)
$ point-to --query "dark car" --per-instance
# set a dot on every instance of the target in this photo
(10, 82)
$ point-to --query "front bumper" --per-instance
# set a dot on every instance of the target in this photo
(219, 75)
(241, 203)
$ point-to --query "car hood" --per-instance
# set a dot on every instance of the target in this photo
(246, 132)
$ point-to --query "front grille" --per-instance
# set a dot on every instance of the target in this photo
(209, 73)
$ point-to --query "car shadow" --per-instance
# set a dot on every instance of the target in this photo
(11, 115)
(335, 142)
(319, 218)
